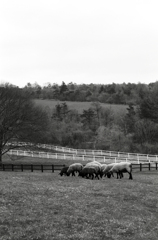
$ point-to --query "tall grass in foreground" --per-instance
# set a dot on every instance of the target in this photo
(45, 206)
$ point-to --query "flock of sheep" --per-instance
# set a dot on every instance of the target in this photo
(96, 169)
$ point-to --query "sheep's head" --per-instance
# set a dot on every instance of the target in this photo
(109, 174)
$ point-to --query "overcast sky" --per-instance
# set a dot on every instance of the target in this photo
(87, 41)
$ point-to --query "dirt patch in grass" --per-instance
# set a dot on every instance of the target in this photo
(47, 206)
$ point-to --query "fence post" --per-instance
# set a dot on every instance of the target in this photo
(22, 167)
(31, 168)
(149, 166)
(41, 168)
(140, 166)
(156, 165)
(52, 168)
(12, 167)
(3, 167)
(83, 157)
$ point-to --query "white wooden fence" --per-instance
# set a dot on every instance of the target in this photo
(77, 154)
(80, 157)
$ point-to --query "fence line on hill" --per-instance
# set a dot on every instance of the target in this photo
(111, 154)
(63, 156)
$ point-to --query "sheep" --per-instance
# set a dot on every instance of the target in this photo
(122, 167)
(64, 171)
(103, 166)
(97, 166)
(75, 167)
(89, 171)
(106, 170)
(95, 162)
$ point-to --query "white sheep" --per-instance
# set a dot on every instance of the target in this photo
(107, 169)
(103, 166)
(122, 167)
(75, 167)
(94, 162)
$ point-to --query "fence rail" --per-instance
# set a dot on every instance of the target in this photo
(78, 157)
(30, 167)
(52, 167)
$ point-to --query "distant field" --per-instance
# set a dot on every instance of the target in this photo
(79, 106)
(46, 206)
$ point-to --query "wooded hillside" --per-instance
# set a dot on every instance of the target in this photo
(94, 124)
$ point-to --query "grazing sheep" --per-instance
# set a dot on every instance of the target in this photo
(103, 166)
(89, 171)
(97, 166)
(75, 167)
(122, 167)
(64, 171)
(107, 169)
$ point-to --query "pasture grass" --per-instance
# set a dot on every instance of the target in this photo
(13, 159)
(79, 106)
(46, 206)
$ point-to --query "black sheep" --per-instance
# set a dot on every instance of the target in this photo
(89, 172)
(64, 171)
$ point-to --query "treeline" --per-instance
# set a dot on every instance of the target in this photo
(108, 93)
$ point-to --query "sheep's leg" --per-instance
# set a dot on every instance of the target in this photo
(120, 174)
(96, 175)
(130, 176)
(112, 174)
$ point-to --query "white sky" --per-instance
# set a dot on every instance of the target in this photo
(84, 41)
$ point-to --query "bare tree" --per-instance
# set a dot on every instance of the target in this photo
(20, 119)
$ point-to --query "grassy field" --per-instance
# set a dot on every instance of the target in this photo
(79, 106)
(45, 206)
